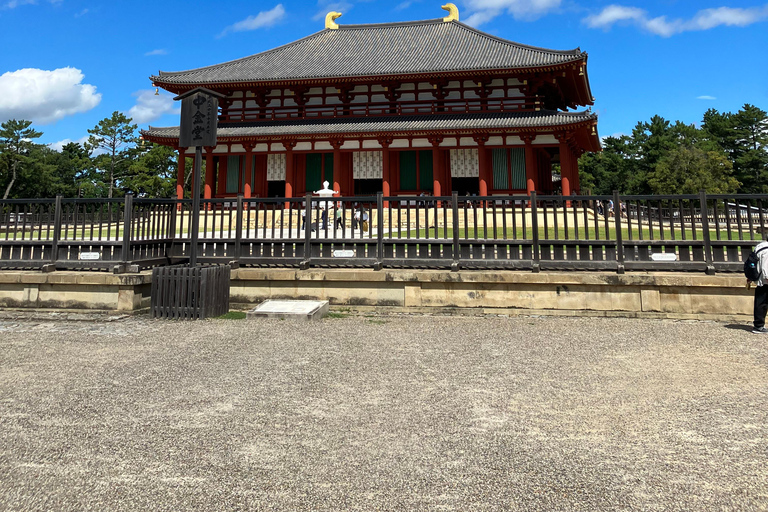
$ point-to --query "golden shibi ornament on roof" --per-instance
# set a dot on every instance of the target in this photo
(453, 15)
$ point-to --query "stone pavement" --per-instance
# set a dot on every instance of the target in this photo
(382, 413)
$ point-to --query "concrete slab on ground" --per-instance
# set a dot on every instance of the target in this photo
(290, 309)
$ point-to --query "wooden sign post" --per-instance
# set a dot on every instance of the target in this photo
(199, 118)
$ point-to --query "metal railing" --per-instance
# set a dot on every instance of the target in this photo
(685, 232)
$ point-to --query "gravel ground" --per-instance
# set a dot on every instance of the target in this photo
(382, 413)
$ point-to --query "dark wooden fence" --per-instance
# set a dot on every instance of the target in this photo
(184, 292)
(685, 232)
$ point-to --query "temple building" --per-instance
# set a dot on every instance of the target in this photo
(403, 108)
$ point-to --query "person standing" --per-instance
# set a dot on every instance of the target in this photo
(761, 290)
(339, 214)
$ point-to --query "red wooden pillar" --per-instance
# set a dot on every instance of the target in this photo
(210, 174)
(531, 165)
(338, 179)
(221, 181)
(260, 184)
(565, 166)
(446, 160)
(180, 173)
(438, 167)
(385, 169)
(575, 172)
(482, 160)
(289, 174)
(545, 172)
(248, 187)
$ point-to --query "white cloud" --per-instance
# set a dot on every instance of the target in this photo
(58, 146)
(482, 11)
(82, 13)
(149, 107)
(613, 14)
(706, 98)
(159, 51)
(45, 96)
(702, 20)
(261, 20)
(12, 4)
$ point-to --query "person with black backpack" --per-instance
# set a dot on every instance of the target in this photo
(756, 270)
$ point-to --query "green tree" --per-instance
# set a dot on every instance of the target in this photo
(687, 169)
(40, 176)
(152, 172)
(76, 168)
(15, 147)
(651, 141)
(609, 170)
(750, 155)
(718, 128)
(113, 135)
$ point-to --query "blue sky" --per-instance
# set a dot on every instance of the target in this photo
(66, 64)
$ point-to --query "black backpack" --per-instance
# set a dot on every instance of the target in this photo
(750, 265)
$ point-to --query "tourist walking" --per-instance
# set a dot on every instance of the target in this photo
(761, 290)
(339, 214)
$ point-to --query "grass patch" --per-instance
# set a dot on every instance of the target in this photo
(377, 322)
(333, 314)
(232, 315)
(581, 233)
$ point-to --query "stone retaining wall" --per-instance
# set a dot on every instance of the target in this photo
(672, 295)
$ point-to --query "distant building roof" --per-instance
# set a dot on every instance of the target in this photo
(378, 50)
(399, 124)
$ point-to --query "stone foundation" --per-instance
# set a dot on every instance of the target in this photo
(668, 295)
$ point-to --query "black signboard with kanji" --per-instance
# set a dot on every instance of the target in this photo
(199, 117)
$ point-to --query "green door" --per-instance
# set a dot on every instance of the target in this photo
(233, 174)
(328, 171)
(314, 171)
(408, 170)
(425, 170)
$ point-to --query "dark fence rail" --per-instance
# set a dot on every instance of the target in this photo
(687, 232)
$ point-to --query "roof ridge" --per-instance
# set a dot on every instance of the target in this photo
(386, 24)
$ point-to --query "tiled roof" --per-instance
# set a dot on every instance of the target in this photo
(440, 123)
(378, 50)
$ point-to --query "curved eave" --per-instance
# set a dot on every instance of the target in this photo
(585, 130)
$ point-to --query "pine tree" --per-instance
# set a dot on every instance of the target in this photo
(15, 146)
(113, 135)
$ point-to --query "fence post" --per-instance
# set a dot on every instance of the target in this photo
(171, 234)
(307, 231)
(127, 220)
(380, 231)
(238, 233)
(456, 247)
(535, 228)
(710, 270)
(50, 267)
(617, 227)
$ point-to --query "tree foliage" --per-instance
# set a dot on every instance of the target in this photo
(728, 153)
(113, 135)
(16, 145)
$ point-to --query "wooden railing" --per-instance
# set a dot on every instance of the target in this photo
(399, 108)
(616, 233)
